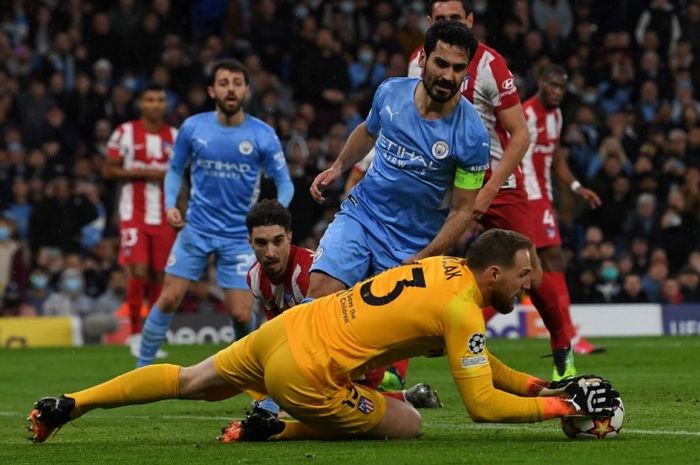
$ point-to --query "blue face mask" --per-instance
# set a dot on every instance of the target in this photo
(73, 284)
(39, 281)
(609, 274)
(4, 233)
(366, 56)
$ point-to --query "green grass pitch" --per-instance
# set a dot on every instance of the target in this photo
(658, 379)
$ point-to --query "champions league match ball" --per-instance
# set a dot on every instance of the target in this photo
(595, 428)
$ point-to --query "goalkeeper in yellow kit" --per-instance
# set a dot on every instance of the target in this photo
(306, 358)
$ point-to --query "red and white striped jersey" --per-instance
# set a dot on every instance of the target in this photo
(545, 128)
(141, 202)
(490, 87)
(276, 297)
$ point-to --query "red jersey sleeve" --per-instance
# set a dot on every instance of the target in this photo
(507, 90)
(115, 142)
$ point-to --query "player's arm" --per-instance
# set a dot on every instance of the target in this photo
(562, 170)
(513, 121)
(174, 176)
(275, 165)
(358, 144)
(455, 225)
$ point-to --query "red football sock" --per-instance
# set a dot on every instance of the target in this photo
(401, 368)
(559, 281)
(134, 298)
(489, 312)
(548, 305)
(373, 378)
(154, 288)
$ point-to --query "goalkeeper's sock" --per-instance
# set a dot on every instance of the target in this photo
(153, 335)
(546, 301)
(140, 386)
(134, 298)
(241, 330)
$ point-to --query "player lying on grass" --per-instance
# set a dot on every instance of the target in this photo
(306, 358)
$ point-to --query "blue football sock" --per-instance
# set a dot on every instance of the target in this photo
(241, 330)
(153, 335)
(270, 405)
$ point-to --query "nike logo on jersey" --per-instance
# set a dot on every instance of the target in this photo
(391, 113)
(203, 142)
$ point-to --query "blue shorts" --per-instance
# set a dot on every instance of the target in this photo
(351, 252)
(190, 254)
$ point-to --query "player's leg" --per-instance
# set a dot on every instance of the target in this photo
(239, 303)
(343, 257)
(187, 259)
(161, 240)
(159, 317)
(221, 376)
(233, 260)
(553, 266)
(133, 253)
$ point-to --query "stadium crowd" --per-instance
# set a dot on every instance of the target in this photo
(70, 72)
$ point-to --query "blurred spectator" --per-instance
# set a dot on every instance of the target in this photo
(661, 20)
(58, 219)
(38, 290)
(632, 291)
(608, 286)
(13, 266)
(654, 278)
(689, 281)
(19, 210)
(69, 299)
(112, 298)
(671, 292)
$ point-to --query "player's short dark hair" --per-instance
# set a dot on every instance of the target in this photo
(268, 212)
(466, 5)
(553, 70)
(450, 32)
(496, 247)
(151, 87)
(232, 65)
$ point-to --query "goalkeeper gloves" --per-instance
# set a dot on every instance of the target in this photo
(591, 396)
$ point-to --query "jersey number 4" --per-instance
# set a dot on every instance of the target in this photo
(370, 299)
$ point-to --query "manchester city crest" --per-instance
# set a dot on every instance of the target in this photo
(440, 149)
(245, 147)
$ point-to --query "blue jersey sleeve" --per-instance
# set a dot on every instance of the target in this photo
(275, 166)
(177, 165)
(373, 122)
(476, 156)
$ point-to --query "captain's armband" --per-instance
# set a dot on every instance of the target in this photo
(469, 180)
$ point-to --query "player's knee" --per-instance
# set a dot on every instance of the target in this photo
(169, 299)
(414, 424)
(139, 271)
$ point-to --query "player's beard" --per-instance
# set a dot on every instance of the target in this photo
(224, 108)
(442, 98)
(502, 303)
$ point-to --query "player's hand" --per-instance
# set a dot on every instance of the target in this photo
(593, 397)
(590, 197)
(174, 218)
(482, 203)
(322, 181)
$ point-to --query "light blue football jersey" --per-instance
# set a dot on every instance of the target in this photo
(406, 193)
(226, 169)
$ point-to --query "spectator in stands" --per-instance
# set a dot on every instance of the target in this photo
(632, 291)
(69, 299)
(13, 265)
(689, 281)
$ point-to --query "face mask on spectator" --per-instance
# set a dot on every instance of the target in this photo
(301, 12)
(347, 7)
(73, 284)
(609, 273)
(39, 281)
(4, 233)
(366, 56)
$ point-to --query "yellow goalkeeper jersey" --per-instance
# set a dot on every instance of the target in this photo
(431, 307)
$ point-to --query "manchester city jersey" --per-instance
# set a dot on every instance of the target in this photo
(406, 193)
(226, 168)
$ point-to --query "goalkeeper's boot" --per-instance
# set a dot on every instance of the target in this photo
(258, 425)
(392, 380)
(422, 396)
(584, 347)
(563, 364)
(49, 415)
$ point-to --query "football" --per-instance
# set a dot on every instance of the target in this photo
(595, 428)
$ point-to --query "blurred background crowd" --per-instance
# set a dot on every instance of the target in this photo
(70, 71)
